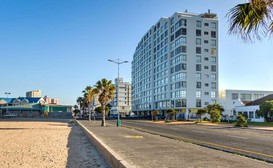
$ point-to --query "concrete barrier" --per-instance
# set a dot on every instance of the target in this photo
(112, 157)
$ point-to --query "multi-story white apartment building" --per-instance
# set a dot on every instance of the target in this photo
(175, 64)
(122, 100)
(230, 99)
(34, 93)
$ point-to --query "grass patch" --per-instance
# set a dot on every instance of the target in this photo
(260, 124)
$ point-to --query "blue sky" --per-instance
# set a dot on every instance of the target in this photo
(61, 46)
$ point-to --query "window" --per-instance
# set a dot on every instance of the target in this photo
(213, 68)
(198, 102)
(184, 22)
(206, 67)
(206, 41)
(181, 49)
(206, 93)
(213, 76)
(213, 51)
(198, 32)
(206, 50)
(206, 84)
(213, 94)
(181, 31)
(198, 50)
(213, 85)
(206, 33)
(234, 96)
(213, 25)
(251, 114)
(198, 58)
(213, 42)
(198, 85)
(181, 40)
(206, 24)
(245, 96)
(198, 93)
(198, 41)
(258, 96)
(213, 59)
(213, 34)
(198, 76)
(198, 67)
(198, 24)
(184, 58)
(184, 102)
(206, 58)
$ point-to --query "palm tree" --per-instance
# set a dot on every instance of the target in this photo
(106, 91)
(251, 20)
(88, 94)
(80, 102)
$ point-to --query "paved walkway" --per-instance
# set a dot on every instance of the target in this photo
(141, 149)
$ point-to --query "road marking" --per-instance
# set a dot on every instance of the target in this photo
(234, 136)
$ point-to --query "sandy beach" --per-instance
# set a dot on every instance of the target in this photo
(46, 144)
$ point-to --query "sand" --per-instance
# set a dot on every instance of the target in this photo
(46, 144)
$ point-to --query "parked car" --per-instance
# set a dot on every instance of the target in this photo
(160, 117)
(133, 116)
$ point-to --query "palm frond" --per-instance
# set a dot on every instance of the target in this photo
(250, 20)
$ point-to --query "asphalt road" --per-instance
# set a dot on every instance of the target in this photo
(251, 143)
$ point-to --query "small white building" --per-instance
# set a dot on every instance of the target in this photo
(230, 99)
(249, 112)
(249, 109)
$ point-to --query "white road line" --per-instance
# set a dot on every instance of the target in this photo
(233, 136)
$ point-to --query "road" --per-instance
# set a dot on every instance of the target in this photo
(251, 143)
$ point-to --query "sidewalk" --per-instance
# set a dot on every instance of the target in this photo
(138, 149)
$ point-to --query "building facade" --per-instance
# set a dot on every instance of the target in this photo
(122, 100)
(230, 99)
(175, 64)
(34, 93)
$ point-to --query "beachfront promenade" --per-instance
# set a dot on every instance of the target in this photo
(134, 148)
(60, 143)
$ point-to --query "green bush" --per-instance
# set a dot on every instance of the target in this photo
(215, 115)
(241, 121)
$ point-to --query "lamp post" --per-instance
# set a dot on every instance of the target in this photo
(7, 93)
(118, 62)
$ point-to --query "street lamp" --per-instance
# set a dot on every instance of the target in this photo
(7, 93)
(118, 62)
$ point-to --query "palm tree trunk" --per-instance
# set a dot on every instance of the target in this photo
(89, 112)
(103, 123)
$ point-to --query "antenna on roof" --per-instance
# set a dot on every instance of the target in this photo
(208, 10)
(186, 10)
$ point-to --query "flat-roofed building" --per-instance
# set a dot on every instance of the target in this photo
(175, 65)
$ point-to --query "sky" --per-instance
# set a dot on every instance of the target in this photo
(62, 46)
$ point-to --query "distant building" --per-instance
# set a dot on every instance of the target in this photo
(122, 100)
(230, 99)
(34, 93)
(49, 100)
(249, 110)
(30, 107)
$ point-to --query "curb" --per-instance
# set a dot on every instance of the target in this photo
(112, 157)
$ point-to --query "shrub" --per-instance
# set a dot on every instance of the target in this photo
(215, 115)
(241, 121)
